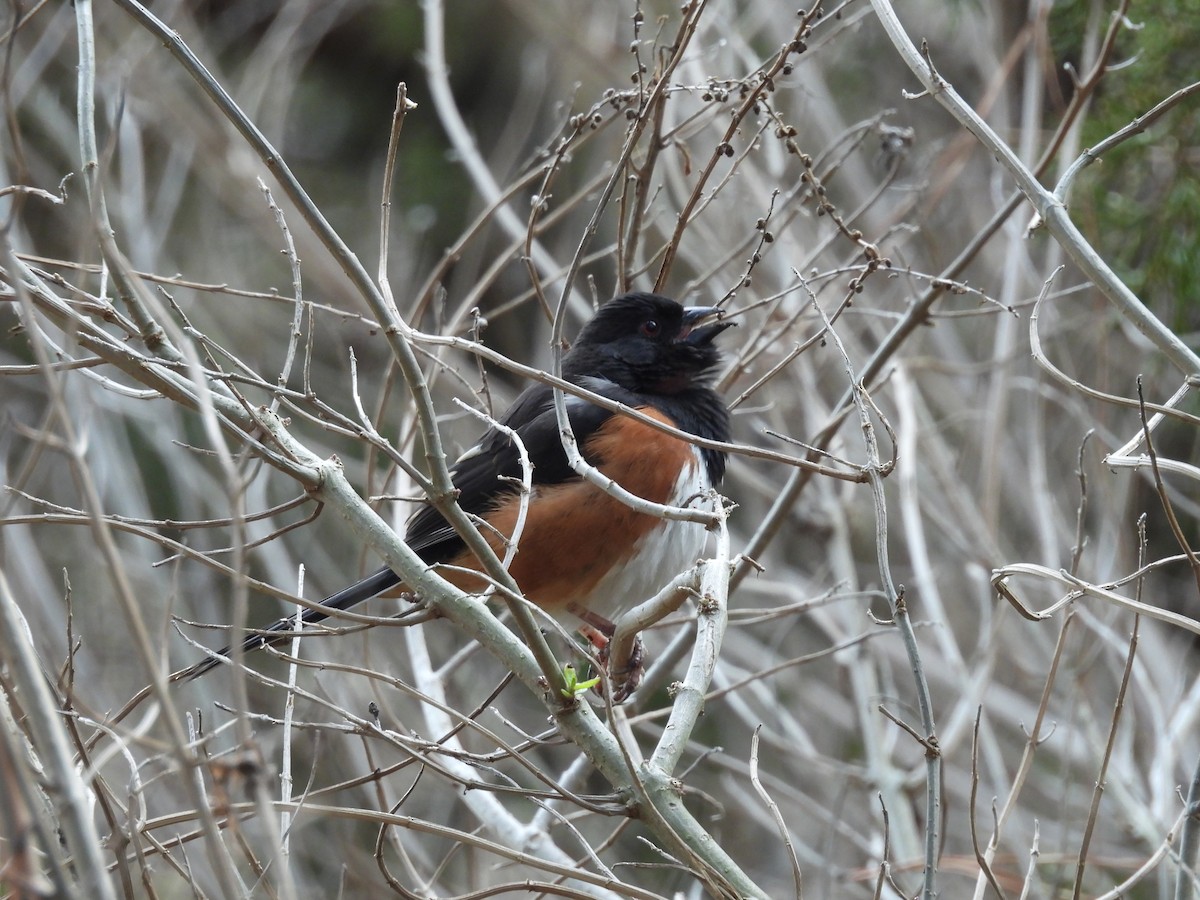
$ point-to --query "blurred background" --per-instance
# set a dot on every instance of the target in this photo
(525, 113)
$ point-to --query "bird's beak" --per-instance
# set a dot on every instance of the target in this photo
(702, 323)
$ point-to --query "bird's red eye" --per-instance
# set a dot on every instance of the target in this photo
(651, 328)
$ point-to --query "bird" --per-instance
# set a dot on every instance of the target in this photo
(583, 556)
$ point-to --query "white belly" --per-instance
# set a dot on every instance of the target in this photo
(666, 551)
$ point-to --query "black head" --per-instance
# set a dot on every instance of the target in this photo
(648, 344)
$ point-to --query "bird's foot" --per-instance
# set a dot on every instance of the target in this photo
(626, 673)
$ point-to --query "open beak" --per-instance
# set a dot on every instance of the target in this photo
(702, 323)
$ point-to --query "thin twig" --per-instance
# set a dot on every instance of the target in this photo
(903, 622)
(773, 808)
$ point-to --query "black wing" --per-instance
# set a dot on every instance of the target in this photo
(482, 474)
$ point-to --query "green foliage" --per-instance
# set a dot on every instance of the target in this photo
(1141, 204)
(573, 685)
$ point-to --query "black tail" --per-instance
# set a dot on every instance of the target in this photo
(280, 631)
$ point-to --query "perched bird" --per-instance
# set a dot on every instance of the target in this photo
(583, 554)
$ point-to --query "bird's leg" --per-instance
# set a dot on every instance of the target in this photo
(626, 674)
